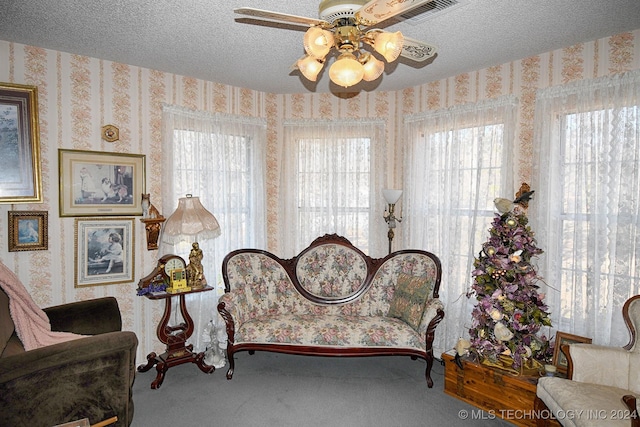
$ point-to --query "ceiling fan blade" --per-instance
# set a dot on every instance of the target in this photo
(281, 17)
(417, 50)
(378, 10)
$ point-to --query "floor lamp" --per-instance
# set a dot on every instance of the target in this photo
(392, 197)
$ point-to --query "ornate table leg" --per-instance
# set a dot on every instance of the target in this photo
(175, 338)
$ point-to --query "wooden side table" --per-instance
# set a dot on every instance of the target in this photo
(501, 394)
(175, 338)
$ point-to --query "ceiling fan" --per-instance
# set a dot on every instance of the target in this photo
(346, 25)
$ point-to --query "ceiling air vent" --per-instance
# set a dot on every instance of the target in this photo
(430, 10)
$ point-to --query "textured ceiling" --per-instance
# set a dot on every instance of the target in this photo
(206, 40)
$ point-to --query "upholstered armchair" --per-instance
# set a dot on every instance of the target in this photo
(603, 383)
(89, 377)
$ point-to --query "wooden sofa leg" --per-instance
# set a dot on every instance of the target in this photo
(630, 401)
(232, 364)
(540, 408)
(427, 372)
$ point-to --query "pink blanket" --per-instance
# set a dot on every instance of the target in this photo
(32, 324)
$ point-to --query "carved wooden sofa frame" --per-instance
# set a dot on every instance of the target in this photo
(261, 289)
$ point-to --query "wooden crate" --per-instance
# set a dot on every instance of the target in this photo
(499, 393)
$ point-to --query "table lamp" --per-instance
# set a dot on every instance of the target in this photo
(189, 224)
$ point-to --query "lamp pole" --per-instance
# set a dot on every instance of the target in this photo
(390, 218)
(391, 197)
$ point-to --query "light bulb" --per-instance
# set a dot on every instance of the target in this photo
(318, 42)
(389, 45)
(373, 67)
(310, 67)
(346, 71)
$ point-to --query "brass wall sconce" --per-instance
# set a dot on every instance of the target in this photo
(152, 226)
(152, 221)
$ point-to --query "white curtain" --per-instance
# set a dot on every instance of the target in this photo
(587, 207)
(332, 179)
(456, 162)
(221, 159)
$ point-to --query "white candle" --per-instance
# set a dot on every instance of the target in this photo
(550, 370)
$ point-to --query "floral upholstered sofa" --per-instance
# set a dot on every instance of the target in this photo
(332, 300)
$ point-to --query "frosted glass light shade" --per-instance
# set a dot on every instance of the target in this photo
(346, 71)
(373, 68)
(190, 223)
(310, 67)
(318, 42)
(392, 196)
(389, 45)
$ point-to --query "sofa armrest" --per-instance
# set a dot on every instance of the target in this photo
(431, 318)
(598, 364)
(431, 309)
(233, 304)
(89, 377)
(91, 317)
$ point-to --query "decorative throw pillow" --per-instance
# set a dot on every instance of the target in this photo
(409, 298)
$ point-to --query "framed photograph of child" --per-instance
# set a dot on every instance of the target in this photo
(28, 231)
(559, 358)
(104, 251)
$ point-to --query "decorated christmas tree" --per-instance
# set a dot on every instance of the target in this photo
(505, 329)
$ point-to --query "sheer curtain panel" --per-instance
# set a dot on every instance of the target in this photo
(222, 159)
(587, 206)
(456, 162)
(332, 179)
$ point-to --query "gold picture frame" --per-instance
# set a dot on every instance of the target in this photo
(559, 358)
(20, 170)
(96, 183)
(104, 252)
(28, 231)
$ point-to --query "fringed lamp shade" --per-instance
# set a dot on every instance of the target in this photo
(190, 223)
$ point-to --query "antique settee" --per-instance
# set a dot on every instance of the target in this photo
(603, 383)
(332, 300)
(90, 377)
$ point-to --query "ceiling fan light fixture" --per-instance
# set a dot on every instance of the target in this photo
(388, 44)
(345, 26)
(346, 71)
(310, 67)
(318, 42)
(373, 67)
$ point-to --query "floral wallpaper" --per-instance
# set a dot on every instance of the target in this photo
(78, 95)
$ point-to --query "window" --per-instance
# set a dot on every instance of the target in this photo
(587, 170)
(589, 262)
(457, 161)
(230, 165)
(468, 163)
(221, 159)
(332, 179)
(338, 171)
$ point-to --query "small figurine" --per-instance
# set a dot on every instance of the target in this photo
(148, 210)
(195, 271)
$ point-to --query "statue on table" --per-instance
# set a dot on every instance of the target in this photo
(195, 271)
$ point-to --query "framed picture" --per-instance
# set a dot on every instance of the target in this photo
(96, 183)
(104, 251)
(28, 231)
(20, 174)
(559, 358)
